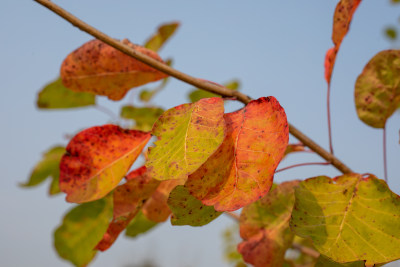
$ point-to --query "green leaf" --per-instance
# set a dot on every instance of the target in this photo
(187, 136)
(264, 226)
(56, 95)
(164, 32)
(146, 94)
(349, 218)
(197, 94)
(377, 90)
(230, 240)
(47, 167)
(391, 33)
(139, 225)
(82, 228)
(187, 210)
(326, 262)
(144, 117)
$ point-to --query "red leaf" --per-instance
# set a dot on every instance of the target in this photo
(341, 23)
(98, 68)
(97, 159)
(241, 170)
(128, 199)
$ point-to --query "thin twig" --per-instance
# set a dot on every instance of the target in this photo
(222, 91)
(302, 164)
(328, 107)
(306, 250)
(106, 111)
(233, 215)
(385, 155)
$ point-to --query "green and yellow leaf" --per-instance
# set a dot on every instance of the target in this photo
(164, 32)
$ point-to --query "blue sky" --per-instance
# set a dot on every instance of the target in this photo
(273, 47)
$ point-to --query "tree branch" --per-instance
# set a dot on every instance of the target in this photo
(207, 86)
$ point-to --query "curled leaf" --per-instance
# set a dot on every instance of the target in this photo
(98, 68)
(97, 159)
(242, 169)
(349, 218)
(187, 135)
(377, 90)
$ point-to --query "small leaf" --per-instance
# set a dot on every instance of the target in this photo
(326, 262)
(187, 135)
(391, 33)
(242, 169)
(198, 94)
(164, 32)
(128, 199)
(55, 95)
(48, 166)
(82, 228)
(98, 68)
(377, 90)
(187, 210)
(144, 117)
(341, 23)
(349, 218)
(139, 225)
(264, 226)
(156, 208)
(97, 159)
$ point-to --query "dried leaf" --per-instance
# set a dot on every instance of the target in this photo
(164, 32)
(377, 90)
(82, 228)
(187, 210)
(341, 23)
(187, 135)
(264, 226)
(97, 159)
(98, 68)
(349, 218)
(47, 167)
(242, 169)
(144, 117)
(55, 96)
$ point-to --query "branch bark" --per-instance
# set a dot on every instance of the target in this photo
(207, 86)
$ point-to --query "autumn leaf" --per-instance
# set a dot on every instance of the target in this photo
(326, 262)
(47, 167)
(264, 226)
(377, 89)
(139, 225)
(187, 210)
(156, 208)
(292, 148)
(197, 94)
(242, 169)
(128, 199)
(56, 96)
(82, 228)
(187, 135)
(164, 32)
(98, 68)
(144, 117)
(97, 159)
(341, 23)
(349, 218)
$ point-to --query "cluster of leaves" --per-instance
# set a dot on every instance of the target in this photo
(206, 162)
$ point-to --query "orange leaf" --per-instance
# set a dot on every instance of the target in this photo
(156, 208)
(241, 170)
(97, 159)
(128, 199)
(292, 148)
(341, 23)
(98, 68)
